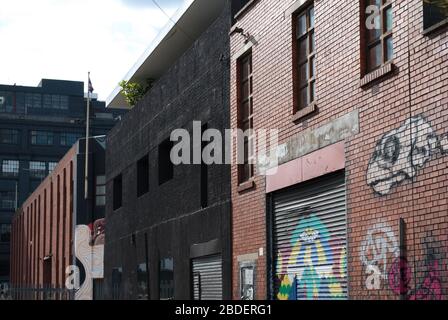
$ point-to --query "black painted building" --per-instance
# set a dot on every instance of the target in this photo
(168, 226)
(38, 125)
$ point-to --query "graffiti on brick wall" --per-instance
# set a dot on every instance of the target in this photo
(379, 245)
(316, 265)
(427, 277)
(401, 153)
(89, 250)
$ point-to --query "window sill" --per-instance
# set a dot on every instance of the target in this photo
(244, 9)
(302, 113)
(435, 27)
(377, 74)
(246, 186)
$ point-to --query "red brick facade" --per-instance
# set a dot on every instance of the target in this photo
(42, 243)
(416, 84)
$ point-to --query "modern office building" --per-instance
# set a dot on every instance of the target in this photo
(356, 205)
(169, 225)
(59, 229)
(38, 125)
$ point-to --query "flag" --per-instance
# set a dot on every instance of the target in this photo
(90, 86)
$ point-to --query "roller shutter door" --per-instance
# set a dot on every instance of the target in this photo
(310, 240)
(207, 278)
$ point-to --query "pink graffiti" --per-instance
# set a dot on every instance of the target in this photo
(400, 276)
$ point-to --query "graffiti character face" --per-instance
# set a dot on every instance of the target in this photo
(401, 153)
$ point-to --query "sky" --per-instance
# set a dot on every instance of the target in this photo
(65, 39)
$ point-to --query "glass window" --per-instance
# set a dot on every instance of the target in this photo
(47, 101)
(5, 233)
(38, 169)
(69, 138)
(434, 12)
(42, 138)
(166, 168)
(305, 57)
(116, 283)
(378, 35)
(7, 200)
(142, 282)
(55, 101)
(100, 191)
(10, 168)
(143, 176)
(245, 115)
(51, 166)
(64, 102)
(9, 136)
(118, 192)
(6, 102)
(166, 279)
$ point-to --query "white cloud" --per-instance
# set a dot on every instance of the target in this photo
(65, 39)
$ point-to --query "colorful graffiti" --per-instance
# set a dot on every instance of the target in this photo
(314, 268)
(401, 153)
(89, 250)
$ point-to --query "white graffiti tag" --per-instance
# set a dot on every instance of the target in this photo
(402, 152)
(379, 244)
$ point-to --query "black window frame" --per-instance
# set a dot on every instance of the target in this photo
(143, 176)
(118, 192)
(13, 134)
(165, 165)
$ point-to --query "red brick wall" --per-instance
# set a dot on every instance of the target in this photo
(418, 85)
(42, 228)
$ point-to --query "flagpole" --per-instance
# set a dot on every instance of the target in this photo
(86, 180)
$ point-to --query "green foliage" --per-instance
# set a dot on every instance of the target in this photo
(133, 92)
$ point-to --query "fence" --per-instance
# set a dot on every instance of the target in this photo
(39, 293)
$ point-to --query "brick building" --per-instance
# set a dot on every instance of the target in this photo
(358, 206)
(169, 225)
(57, 232)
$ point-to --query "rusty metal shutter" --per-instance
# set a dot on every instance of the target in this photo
(310, 240)
(207, 278)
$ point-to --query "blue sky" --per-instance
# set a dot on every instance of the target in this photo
(64, 39)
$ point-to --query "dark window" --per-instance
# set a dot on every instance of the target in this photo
(378, 34)
(100, 191)
(166, 279)
(204, 175)
(33, 100)
(166, 168)
(42, 138)
(10, 168)
(143, 176)
(245, 114)
(47, 103)
(9, 136)
(6, 102)
(69, 138)
(305, 61)
(434, 12)
(38, 169)
(142, 282)
(7, 200)
(237, 5)
(5, 233)
(4, 268)
(118, 192)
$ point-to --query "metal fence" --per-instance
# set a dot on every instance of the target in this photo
(37, 293)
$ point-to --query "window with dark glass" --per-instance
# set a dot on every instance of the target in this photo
(5, 233)
(142, 282)
(4, 268)
(116, 283)
(6, 102)
(47, 101)
(68, 139)
(166, 279)
(10, 168)
(100, 191)
(304, 47)
(7, 200)
(435, 12)
(166, 167)
(379, 42)
(38, 169)
(118, 192)
(143, 176)
(245, 114)
(9, 136)
(42, 138)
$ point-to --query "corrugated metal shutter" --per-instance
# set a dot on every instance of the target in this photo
(207, 278)
(310, 240)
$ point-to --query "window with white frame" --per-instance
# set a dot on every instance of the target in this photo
(10, 168)
(100, 191)
(38, 169)
(52, 166)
